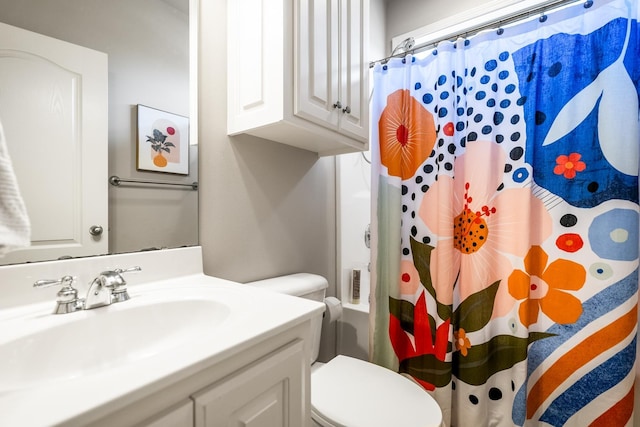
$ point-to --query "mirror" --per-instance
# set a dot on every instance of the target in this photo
(148, 48)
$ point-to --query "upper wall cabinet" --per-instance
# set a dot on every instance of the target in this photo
(298, 72)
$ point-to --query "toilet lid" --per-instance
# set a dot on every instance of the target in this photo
(353, 393)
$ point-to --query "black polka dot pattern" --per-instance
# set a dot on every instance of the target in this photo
(568, 220)
(495, 393)
(480, 103)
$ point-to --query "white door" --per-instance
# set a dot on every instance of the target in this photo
(54, 110)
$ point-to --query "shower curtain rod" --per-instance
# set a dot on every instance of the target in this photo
(493, 24)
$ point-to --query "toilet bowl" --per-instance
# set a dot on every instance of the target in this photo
(349, 392)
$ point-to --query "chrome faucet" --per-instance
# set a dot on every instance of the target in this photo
(107, 288)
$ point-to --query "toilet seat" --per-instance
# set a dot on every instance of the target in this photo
(348, 392)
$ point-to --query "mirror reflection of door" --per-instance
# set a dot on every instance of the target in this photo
(54, 101)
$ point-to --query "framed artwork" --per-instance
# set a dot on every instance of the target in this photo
(163, 141)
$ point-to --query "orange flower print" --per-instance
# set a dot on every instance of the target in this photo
(479, 227)
(407, 134)
(462, 342)
(569, 165)
(544, 289)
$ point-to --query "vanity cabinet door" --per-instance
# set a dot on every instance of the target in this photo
(267, 393)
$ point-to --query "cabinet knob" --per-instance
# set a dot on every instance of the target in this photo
(338, 104)
(347, 110)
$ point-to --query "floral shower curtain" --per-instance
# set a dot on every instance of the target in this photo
(505, 226)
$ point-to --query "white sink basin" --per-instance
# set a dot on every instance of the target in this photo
(87, 342)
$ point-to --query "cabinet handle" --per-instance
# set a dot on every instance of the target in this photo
(338, 104)
(347, 110)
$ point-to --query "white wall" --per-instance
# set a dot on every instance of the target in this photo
(354, 215)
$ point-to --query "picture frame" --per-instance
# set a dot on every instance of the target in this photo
(163, 141)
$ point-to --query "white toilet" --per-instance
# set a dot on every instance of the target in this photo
(348, 392)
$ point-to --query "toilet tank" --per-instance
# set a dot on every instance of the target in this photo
(303, 285)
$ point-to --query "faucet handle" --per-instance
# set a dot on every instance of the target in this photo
(65, 281)
(128, 270)
(68, 300)
(118, 287)
(113, 279)
(120, 282)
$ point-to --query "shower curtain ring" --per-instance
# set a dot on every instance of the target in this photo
(588, 4)
(542, 18)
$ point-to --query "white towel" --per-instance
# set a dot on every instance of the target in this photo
(15, 230)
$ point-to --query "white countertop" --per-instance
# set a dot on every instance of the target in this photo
(253, 314)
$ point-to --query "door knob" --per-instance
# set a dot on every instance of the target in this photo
(347, 110)
(95, 230)
(338, 104)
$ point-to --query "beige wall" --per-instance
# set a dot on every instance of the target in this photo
(377, 29)
(403, 16)
(266, 209)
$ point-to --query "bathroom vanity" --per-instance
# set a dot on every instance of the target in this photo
(185, 350)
